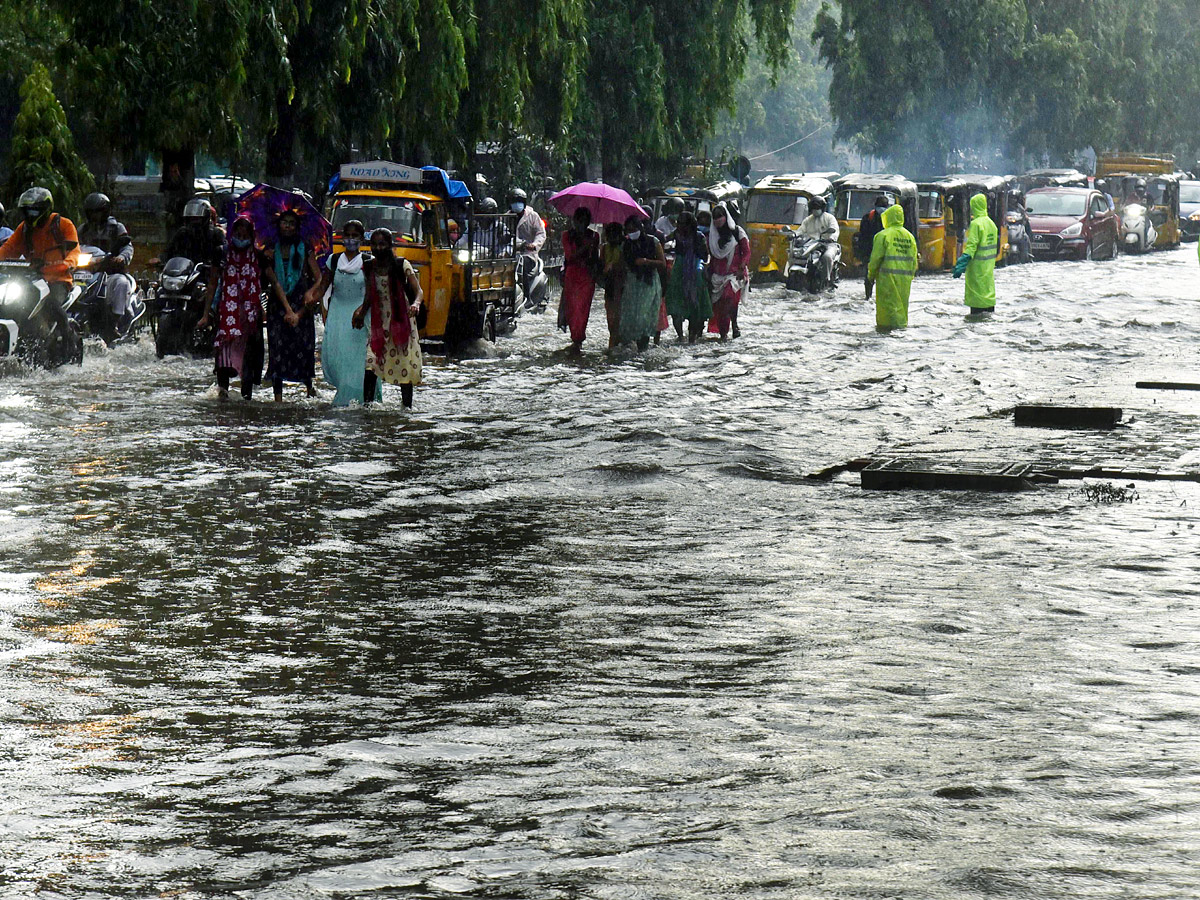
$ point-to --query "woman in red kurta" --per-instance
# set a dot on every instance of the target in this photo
(581, 250)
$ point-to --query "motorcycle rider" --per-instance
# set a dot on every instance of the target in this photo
(51, 244)
(5, 231)
(530, 237)
(665, 226)
(864, 241)
(822, 226)
(1016, 204)
(197, 239)
(489, 233)
(978, 260)
(103, 231)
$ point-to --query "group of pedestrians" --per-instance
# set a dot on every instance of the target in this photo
(688, 270)
(370, 303)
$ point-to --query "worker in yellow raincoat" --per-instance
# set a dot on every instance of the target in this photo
(979, 259)
(892, 267)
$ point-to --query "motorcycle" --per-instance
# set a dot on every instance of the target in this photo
(27, 329)
(178, 303)
(811, 266)
(1019, 247)
(93, 313)
(1138, 233)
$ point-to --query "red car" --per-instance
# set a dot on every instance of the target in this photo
(1072, 223)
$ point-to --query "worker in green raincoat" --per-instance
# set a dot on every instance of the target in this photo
(892, 267)
(979, 258)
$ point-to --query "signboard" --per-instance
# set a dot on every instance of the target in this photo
(382, 171)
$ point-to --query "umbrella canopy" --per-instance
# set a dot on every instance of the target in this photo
(265, 204)
(606, 204)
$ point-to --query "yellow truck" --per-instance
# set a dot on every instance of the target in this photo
(470, 284)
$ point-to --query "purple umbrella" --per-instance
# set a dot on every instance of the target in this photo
(265, 204)
(606, 204)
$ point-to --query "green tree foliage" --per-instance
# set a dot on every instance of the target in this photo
(43, 150)
(775, 108)
(933, 83)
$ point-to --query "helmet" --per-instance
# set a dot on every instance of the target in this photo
(672, 206)
(1140, 184)
(198, 209)
(881, 202)
(817, 204)
(35, 204)
(97, 202)
(516, 195)
(488, 205)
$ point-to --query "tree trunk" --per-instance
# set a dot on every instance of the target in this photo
(281, 143)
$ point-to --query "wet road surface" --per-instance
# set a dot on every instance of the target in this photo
(580, 628)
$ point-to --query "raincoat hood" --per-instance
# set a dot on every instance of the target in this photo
(978, 206)
(894, 215)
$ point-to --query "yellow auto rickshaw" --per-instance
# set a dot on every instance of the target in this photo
(774, 207)
(470, 287)
(855, 197)
(1117, 174)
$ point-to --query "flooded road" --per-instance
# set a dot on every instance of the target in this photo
(580, 628)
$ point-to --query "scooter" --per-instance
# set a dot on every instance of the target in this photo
(178, 304)
(93, 313)
(1138, 233)
(810, 266)
(532, 272)
(27, 329)
(1019, 247)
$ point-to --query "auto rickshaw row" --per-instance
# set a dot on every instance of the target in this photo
(938, 210)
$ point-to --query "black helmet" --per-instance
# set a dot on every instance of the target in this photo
(672, 206)
(516, 195)
(97, 202)
(488, 205)
(1140, 184)
(35, 204)
(817, 204)
(881, 202)
(197, 208)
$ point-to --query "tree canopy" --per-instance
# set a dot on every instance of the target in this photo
(938, 83)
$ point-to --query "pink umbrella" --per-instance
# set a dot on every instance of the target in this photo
(606, 204)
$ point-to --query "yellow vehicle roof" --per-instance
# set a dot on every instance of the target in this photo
(398, 193)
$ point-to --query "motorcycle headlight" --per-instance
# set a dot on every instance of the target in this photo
(1073, 230)
(172, 284)
(11, 290)
(85, 260)
(462, 256)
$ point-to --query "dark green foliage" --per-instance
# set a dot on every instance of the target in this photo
(43, 151)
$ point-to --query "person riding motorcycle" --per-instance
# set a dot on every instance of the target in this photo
(665, 226)
(50, 243)
(5, 231)
(197, 239)
(1016, 204)
(489, 236)
(530, 237)
(824, 227)
(103, 231)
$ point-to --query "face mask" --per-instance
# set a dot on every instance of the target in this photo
(382, 251)
(518, 207)
(241, 243)
(351, 244)
(634, 235)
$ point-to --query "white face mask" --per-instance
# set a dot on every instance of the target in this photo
(634, 235)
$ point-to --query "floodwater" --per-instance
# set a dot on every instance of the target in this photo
(580, 628)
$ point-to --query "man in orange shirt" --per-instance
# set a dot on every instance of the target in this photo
(50, 243)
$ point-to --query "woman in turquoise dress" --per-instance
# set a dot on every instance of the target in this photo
(344, 349)
(642, 296)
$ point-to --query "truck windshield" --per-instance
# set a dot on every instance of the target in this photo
(1055, 204)
(403, 218)
(776, 209)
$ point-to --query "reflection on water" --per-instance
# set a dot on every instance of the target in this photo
(580, 627)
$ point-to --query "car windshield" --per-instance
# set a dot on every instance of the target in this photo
(401, 217)
(1056, 204)
(931, 205)
(852, 205)
(1189, 193)
(776, 209)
